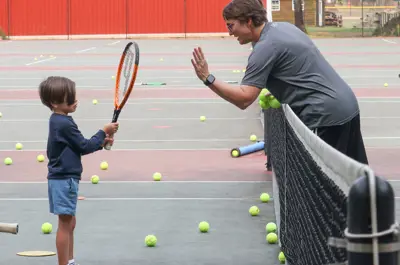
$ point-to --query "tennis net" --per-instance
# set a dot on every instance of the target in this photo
(311, 181)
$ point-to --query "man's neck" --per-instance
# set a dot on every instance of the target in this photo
(257, 33)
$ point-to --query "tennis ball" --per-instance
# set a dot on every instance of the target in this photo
(263, 104)
(271, 227)
(40, 158)
(253, 138)
(18, 146)
(281, 257)
(150, 240)
(272, 238)
(1, 115)
(264, 197)
(204, 226)
(95, 102)
(235, 153)
(254, 211)
(157, 176)
(95, 179)
(262, 94)
(202, 118)
(8, 161)
(104, 165)
(274, 103)
(47, 228)
(386, 84)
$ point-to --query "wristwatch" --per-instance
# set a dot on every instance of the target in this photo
(210, 80)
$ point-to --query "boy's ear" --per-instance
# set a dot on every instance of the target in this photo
(54, 106)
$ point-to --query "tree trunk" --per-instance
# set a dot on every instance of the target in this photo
(299, 15)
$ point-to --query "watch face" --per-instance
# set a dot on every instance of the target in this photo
(210, 78)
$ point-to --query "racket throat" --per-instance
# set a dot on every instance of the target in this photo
(116, 115)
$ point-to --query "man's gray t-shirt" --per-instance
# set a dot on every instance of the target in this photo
(289, 65)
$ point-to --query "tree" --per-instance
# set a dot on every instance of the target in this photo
(299, 15)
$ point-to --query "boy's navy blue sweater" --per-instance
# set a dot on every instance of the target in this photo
(66, 145)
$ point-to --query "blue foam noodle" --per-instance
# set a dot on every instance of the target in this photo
(248, 149)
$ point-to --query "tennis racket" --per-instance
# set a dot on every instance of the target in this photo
(125, 79)
(9, 228)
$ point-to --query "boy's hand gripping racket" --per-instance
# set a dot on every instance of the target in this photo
(126, 77)
(9, 228)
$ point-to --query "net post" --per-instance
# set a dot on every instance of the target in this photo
(359, 221)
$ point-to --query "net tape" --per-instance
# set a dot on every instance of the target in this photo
(311, 182)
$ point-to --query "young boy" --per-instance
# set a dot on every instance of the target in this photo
(65, 147)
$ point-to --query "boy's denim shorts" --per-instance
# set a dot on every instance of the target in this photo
(63, 196)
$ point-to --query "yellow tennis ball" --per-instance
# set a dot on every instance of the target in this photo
(202, 118)
(95, 102)
(254, 211)
(264, 197)
(263, 104)
(274, 103)
(204, 227)
(40, 158)
(150, 240)
(95, 179)
(18, 146)
(1, 115)
(104, 165)
(253, 138)
(8, 161)
(386, 84)
(272, 238)
(157, 176)
(235, 153)
(262, 94)
(281, 257)
(47, 228)
(271, 227)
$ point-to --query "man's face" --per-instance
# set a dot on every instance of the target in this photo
(241, 31)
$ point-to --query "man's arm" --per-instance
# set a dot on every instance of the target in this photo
(260, 64)
(72, 136)
(240, 96)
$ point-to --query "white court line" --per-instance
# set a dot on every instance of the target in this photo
(85, 50)
(132, 119)
(389, 41)
(115, 42)
(151, 141)
(152, 182)
(40, 61)
(132, 149)
(137, 199)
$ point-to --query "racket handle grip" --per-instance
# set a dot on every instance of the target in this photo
(9, 228)
(107, 146)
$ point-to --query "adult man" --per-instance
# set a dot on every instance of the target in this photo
(287, 62)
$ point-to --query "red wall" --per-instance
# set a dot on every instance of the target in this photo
(77, 17)
(38, 17)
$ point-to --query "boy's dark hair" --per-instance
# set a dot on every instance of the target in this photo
(57, 90)
(243, 10)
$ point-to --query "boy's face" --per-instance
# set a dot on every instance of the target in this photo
(65, 108)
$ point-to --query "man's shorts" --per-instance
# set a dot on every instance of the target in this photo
(63, 196)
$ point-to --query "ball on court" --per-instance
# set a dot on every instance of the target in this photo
(18, 146)
(202, 118)
(40, 158)
(150, 240)
(253, 138)
(272, 238)
(8, 161)
(157, 176)
(235, 153)
(95, 179)
(281, 257)
(95, 102)
(204, 227)
(264, 197)
(386, 84)
(47, 228)
(104, 165)
(271, 227)
(1, 115)
(254, 211)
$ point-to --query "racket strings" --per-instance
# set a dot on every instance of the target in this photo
(127, 71)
